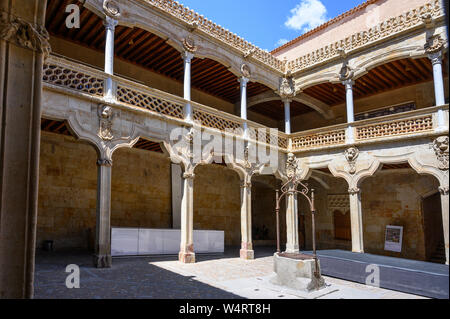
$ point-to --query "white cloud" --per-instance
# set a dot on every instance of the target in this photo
(307, 15)
(282, 42)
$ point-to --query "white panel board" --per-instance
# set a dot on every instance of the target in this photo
(124, 241)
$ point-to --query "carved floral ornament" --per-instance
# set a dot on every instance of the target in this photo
(24, 34)
(245, 71)
(346, 72)
(111, 9)
(351, 155)
(441, 149)
(286, 89)
(189, 45)
(434, 44)
(106, 115)
(291, 165)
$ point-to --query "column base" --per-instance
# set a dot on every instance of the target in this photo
(186, 258)
(292, 249)
(103, 261)
(358, 251)
(247, 254)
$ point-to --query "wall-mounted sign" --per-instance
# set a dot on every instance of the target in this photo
(394, 238)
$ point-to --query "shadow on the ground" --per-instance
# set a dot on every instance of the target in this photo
(130, 278)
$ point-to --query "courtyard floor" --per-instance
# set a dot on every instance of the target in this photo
(212, 277)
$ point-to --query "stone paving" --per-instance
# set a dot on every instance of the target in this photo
(212, 277)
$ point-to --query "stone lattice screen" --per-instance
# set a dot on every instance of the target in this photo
(72, 79)
(320, 139)
(395, 128)
(152, 103)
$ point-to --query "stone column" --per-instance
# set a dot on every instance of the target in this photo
(292, 245)
(436, 60)
(287, 116)
(23, 43)
(187, 58)
(246, 252)
(110, 26)
(445, 220)
(350, 108)
(356, 220)
(177, 185)
(187, 254)
(244, 81)
(102, 257)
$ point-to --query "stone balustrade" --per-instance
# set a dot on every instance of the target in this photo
(405, 125)
(69, 75)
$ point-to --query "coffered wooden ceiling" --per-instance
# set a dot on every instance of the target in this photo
(380, 79)
(146, 50)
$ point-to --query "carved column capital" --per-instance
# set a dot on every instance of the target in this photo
(104, 162)
(188, 176)
(443, 191)
(24, 34)
(187, 56)
(110, 23)
(354, 191)
(246, 184)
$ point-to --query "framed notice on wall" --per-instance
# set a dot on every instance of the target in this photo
(394, 238)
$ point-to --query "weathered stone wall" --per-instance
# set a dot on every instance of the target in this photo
(217, 202)
(140, 192)
(67, 192)
(396, 199)
(389, 198)
(141, 189)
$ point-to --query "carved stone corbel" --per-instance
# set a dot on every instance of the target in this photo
(354, 191)
(106, 116)
(286, 90)
(24, 34)
(245, 71)
(111, 9)
(351, 155)
(441, 149)
(189, 45)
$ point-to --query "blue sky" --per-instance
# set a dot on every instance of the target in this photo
(269, 23)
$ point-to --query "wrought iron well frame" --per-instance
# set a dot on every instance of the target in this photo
(291, 188)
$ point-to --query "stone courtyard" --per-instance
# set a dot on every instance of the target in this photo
(212, 277)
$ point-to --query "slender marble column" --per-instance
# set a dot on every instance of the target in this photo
(350, 108)
(110, 26)
(187, 254)
(102, 257)
(287, 116)
(445, 220)
(244, 81)
(20, 118)
(292, 245)
(436, 60)
(356, 221)
(246, 222)
(187, 58)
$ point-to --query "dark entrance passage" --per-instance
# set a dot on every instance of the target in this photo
(432, 223)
